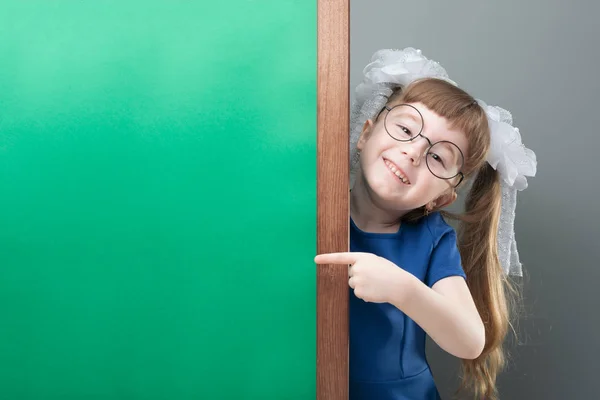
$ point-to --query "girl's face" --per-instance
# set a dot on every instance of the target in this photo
(395, 173)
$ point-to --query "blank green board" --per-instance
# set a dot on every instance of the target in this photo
(158, 199)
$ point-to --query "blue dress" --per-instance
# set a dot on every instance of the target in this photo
(387, 349)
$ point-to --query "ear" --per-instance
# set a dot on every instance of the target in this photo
(443, 201)
(364, 135)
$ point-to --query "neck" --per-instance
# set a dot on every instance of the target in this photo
(367, 215)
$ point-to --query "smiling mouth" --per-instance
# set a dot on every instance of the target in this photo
(397, 171)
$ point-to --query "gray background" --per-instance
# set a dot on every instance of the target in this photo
(540, 60)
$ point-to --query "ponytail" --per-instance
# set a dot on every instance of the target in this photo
(477, 242)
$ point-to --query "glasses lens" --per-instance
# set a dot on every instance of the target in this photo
(444, 160)
(403, 122)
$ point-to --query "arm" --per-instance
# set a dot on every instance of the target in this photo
(446, 312)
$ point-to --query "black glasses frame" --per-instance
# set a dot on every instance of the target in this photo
(389, 109)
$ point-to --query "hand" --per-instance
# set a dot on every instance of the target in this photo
(373, 278)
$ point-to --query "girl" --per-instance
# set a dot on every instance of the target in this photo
(417, 139)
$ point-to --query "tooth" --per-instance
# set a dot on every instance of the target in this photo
(396, 172)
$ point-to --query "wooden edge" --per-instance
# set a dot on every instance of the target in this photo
(333, 130)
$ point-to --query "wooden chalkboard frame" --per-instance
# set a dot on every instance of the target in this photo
(333, 125)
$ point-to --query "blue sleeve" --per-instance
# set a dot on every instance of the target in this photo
(445, 260)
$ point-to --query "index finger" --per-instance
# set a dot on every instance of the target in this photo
(337, 258)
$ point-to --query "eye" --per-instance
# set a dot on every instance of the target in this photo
(405, 130)
(437, 158)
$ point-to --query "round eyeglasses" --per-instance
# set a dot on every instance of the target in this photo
(444, 159)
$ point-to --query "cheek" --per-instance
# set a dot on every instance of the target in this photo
(370, 152)
(368, 163)
(374, 153)
(431, 187)
(377, 140)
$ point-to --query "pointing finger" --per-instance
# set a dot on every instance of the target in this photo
(337, 258)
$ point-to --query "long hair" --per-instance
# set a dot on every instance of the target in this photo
(477, 235)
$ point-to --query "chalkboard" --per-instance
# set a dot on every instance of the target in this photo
(157, 199)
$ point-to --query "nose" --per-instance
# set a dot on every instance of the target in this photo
(416, 149)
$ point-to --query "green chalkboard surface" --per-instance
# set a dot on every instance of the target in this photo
(157, 199)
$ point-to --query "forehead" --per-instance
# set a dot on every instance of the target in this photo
(437, 128)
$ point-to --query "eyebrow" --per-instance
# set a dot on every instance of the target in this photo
(413, 116)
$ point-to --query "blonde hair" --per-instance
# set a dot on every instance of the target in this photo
(477, 236)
